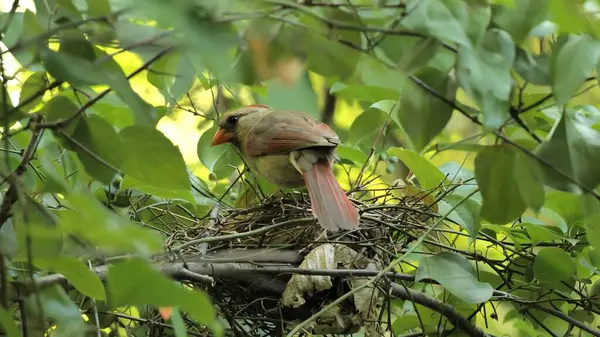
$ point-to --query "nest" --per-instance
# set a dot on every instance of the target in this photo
(260, 260)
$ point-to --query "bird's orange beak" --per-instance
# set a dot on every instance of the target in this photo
(221, 136)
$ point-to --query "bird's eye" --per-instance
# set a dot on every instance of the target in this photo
(232, 120)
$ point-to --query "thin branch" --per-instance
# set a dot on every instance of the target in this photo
(346, 26)
(11, 195)
(40, 92)
(566, 318)
(11, 15)
(3, 283)
(149, 322)
(445, 309)
(65, 122)
(504, 138)
(211, 227)
(68, 25)
(241, 235)
(204, 272)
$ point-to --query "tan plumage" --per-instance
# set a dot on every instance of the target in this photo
(291, 149)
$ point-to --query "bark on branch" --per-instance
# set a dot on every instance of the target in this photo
(206, 272)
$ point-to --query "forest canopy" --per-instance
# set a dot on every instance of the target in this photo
(469, 143)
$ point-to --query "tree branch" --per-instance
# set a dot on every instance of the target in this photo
(11, 195)
(445, 309)
(74, 24)
(329, 106)
(507, 140)
(209, 272)
(64, 122)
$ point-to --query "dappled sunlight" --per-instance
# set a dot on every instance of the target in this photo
(181, 128)
(464, 198)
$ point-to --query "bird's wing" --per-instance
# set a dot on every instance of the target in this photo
(284, 131)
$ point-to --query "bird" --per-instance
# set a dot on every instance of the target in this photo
(291, 149)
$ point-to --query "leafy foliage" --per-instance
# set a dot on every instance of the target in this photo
(485, 111)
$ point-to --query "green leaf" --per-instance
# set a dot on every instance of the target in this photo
(544, 29)
(7, 324)
(297, 96)
(500, 191)
(529, 174)
(135, 282)
(143, 113)
(548, 217)
(196, 30)
(474, 18)
(404, 323)
(61, 108)
(365, 127)
(32, 28)
(73, 42)
(484, 73)
(466, 213)
(429, 176)
(533, 68)
(387, 107)
(419, 55)
(78, 274)
(553, 265)
(104, 228)
(69, 68)
(94, 134)
(34, 84)
(591, 213)
(568, 15)
(114, 111)
(36, 231)
(81, 72)
(362, 92)
(520, 19)
(572, 64)
(13, 30)
(334, 59)
(66, 10)
(568, 208)
(152, 164)
(540, 233)
(56, 304)
(8, 240)
(456, 274)
(178, 324)
(433, 113)
(221, 160)
(375, 74)
(14, 114)
(352, 154)
(574, 150)
(464, 146)
(412, 52)
(173, 75)
(98, 8)
(433, 17)
(53, 183)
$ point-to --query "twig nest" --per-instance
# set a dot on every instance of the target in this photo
(265, 288)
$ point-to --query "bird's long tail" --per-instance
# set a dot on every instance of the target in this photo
(328, 200)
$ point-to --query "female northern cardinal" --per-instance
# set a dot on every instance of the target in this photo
(290, 149)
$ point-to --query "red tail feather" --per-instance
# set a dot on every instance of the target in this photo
(329, 202)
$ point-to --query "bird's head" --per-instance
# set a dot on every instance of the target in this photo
(238, 121)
